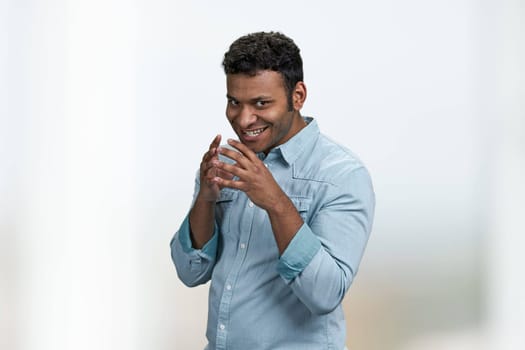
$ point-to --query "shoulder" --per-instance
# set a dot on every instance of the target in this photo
(329, 161)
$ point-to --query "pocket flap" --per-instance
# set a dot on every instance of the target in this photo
(301, 203)
(227, 195)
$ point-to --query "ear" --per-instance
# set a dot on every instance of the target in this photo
(299, 95)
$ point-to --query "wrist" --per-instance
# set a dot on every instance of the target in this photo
(283, 206)
(204, 197)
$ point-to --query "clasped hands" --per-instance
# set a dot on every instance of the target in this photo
(253, 177)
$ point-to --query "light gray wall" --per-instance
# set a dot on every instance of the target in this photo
(107, 106)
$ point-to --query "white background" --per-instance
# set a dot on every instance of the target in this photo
(107, 106)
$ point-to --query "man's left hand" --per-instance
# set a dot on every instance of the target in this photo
(253, 177)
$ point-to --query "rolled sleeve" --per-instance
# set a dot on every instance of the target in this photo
(300, 251)
(194, 266)
(209, 249)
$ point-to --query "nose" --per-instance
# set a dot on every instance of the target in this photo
(245, 117)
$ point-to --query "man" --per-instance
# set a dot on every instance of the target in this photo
(280, 219)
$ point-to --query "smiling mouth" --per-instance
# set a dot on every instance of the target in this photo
(255, 132)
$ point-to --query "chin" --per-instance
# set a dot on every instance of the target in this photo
(256, 149)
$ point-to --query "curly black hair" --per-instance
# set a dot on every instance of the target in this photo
(274, 51)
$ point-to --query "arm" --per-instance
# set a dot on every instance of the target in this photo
(322, 260)
(194, 246)
(201, 222)
(318, 261)
(202, 214)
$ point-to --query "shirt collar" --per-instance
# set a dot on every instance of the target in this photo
(299, 143)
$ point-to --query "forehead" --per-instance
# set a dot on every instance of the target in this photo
(265, 82)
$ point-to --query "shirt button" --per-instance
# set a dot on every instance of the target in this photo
(221, 326)
(250, 204)
(229, 287)
(243, 245)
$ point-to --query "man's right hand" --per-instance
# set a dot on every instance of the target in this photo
(202, 215)
(209, 190)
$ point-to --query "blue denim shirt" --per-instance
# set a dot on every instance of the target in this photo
(260, 300)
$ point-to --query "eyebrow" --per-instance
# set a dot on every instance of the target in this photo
(258, 98)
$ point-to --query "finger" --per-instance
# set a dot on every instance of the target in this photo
(232, 169)
(224, 174)
(211, 154)
(216, 141)
(222, 182)
(212, 169)
(212, 150)
(248, 153)
(236, 156)
(209, 174)
(205, 166)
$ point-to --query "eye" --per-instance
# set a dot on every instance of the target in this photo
(261, 103)
(233, 102)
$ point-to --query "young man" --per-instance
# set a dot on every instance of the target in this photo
(280, 219)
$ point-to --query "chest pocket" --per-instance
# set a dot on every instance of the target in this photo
(223, 209)
(302, 204)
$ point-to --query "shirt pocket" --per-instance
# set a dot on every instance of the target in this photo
(302, 204)
(224, 207)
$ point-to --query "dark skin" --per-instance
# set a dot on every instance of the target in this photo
(255, 103)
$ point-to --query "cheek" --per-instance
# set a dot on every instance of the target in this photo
(229, 115)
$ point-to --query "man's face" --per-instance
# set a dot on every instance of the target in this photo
(258, 109)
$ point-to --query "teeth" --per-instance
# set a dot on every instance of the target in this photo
(254, 132)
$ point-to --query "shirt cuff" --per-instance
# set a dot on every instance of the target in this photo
(210, 248)
(300, 251)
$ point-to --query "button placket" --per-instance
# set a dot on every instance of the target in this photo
(230, 283)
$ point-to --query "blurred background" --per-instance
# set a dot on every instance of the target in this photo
(107, 106)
